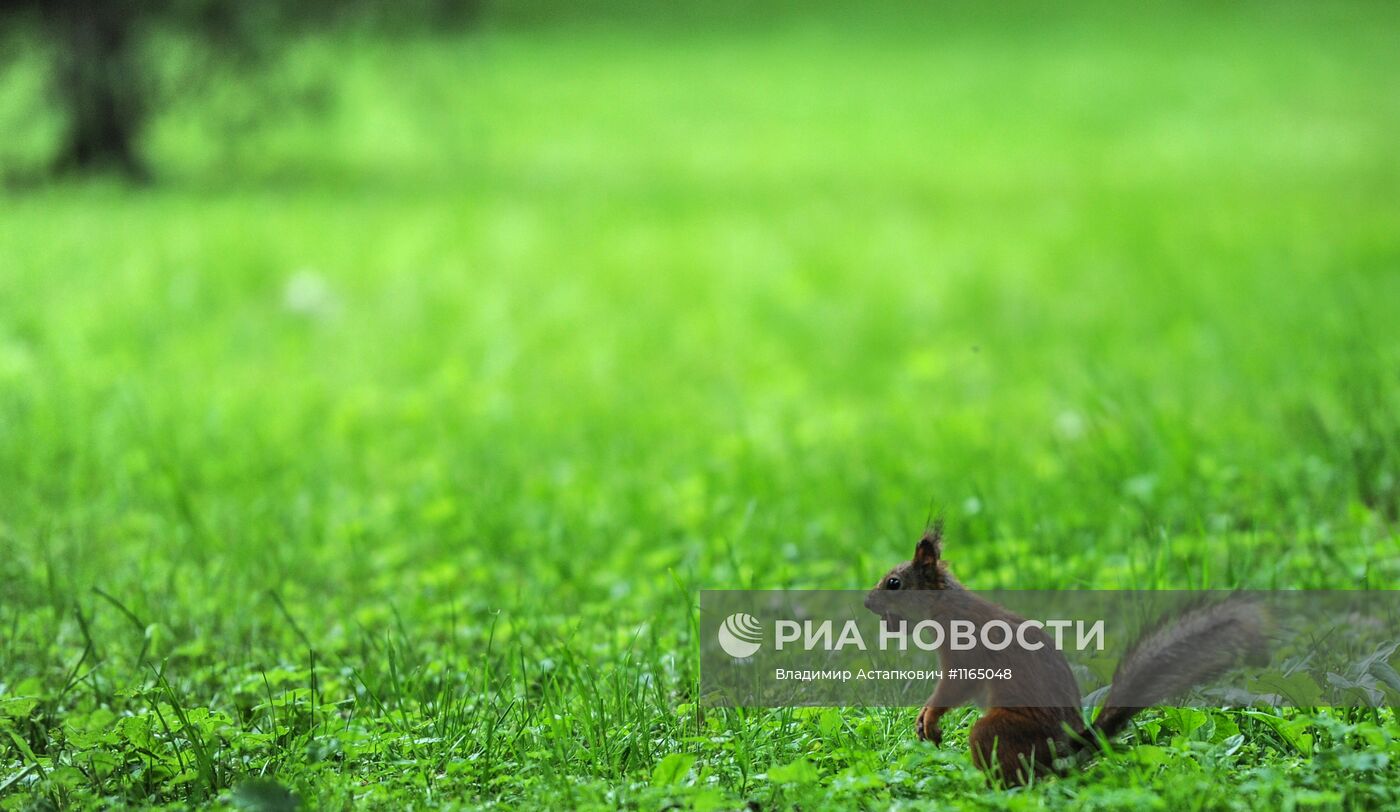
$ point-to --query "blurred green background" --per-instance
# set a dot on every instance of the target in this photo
(378, 445)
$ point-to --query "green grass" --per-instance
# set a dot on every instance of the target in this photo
(382, 453)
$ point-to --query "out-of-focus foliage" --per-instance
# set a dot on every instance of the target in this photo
(104, 57)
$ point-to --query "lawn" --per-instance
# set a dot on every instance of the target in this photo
(377, 453)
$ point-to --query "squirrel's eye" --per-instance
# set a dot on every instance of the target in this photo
(892, 583)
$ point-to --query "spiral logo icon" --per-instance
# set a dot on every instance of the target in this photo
(740, 635)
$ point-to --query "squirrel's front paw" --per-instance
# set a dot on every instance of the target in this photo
(926, 726)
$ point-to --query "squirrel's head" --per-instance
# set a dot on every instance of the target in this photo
(926, 570)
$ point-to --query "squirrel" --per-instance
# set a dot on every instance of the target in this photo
(1018, 737)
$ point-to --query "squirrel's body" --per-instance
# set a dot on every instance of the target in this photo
(1016, 725)
(1035, 718)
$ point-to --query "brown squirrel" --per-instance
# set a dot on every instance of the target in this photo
(1020, 737)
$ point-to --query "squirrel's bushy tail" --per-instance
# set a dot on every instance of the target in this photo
(1196, 647)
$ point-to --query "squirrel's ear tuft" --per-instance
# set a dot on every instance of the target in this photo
(930, 547)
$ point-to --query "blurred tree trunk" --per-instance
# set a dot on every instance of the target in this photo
(98, 84)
